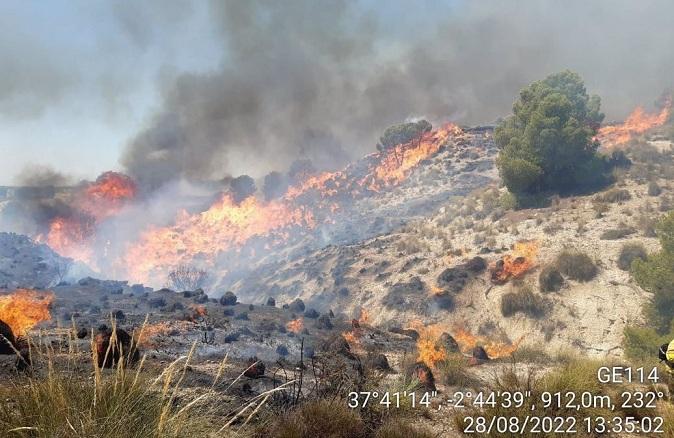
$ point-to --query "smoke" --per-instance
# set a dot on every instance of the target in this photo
(35, 175)
(321, 82)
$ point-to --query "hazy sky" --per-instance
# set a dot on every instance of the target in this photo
(193, 88)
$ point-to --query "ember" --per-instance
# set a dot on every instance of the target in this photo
(494, 350)
(516, 264)
(22, 310)
(296, 325)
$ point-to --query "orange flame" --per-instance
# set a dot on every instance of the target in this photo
(73, 236)
(150, 335)
(429, 348)
(495, 350)
(24, 309)
(364, 316)
(228, 226)
(517, 263)
(636, 123)
(296, 325)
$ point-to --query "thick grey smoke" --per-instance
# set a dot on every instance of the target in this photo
(302, 79)
(42, 176)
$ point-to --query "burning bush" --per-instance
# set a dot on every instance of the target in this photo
(275, 185)
(7, 340)
(576, 265)
(526, 302)
(402, 133)
(186, 277)
(630, 252)
(23, 309)
(516, 264)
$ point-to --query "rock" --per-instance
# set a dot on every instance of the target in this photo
(228, 299)
(297, 305)
(122, 348)
(324, 323)
(255, 368)
(271, 302)
(311, 313)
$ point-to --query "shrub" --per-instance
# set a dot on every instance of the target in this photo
(401, 428)
(319, 418)
(550, 280)
(617, 233)
(641, 343)
(526, 302)
(187, 278)
(630, 252)
(453, 371)
(614, 195)
(402, 133)
(576, 265)
(508, 201)
(654, 189)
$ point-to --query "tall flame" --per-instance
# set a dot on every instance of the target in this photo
(228, 226)
(636, 123)
(23, 309)
(429, 348)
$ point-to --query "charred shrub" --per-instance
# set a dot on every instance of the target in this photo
(550, 280)
(228, 299)
(654, 189)
(526, 302)
(630, 252)
(576, 265)
(187, 278)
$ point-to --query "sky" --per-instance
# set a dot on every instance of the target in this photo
(197, 89)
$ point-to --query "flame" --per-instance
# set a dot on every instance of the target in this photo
(636, 123)
(495, 350)
(73, 236)
(435, 290)
(296, 325)
(429, 348)
(228, 226)
(517, 263)
(24, 309)
(150, 335)
(198, 310)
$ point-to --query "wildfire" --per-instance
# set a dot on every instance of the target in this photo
(495, 350)
(296, 325)
(228, 226)
(517, 263)
(24, 309)
(429, 348)
(636, 123)
(73, 236)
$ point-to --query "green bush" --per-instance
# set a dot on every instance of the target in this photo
(548, 143)
(319, 418)
(642, 343)
(550, 280)
(656, 275)
(401, 428)
(576, 265)
(526, 302)
(617, 233)
(402, 133)
(508, 201)
(614, 195)
(630, 252)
